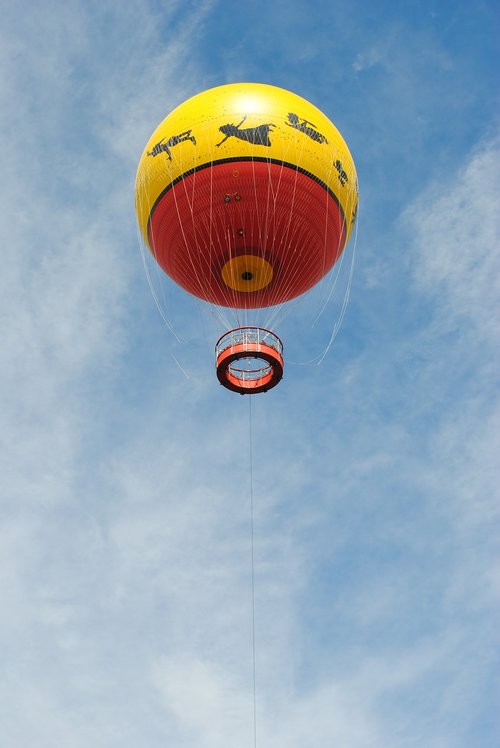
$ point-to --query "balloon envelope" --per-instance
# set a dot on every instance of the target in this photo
(246, 195)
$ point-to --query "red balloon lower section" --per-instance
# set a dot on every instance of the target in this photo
(253, 209)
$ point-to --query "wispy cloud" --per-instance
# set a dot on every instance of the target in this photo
(456, 229)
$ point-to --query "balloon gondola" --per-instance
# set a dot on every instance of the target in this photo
(246, 196)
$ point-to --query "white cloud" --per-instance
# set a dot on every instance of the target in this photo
(211, 707)
(456, 229)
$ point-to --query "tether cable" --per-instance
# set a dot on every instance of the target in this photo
(253, 569)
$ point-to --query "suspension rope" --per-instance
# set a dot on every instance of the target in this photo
(253, 569)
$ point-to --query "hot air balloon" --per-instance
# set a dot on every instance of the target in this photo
(246, 196)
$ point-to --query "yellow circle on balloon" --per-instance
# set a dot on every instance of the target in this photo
(247, 273)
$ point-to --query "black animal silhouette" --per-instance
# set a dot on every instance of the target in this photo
(164, 147)
(306, 127)
(257, 135)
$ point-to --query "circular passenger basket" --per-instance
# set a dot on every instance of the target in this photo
(249, 360)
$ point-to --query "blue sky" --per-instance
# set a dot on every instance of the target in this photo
(125, 537)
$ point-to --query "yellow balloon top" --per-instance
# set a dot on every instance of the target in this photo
(244, 121)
